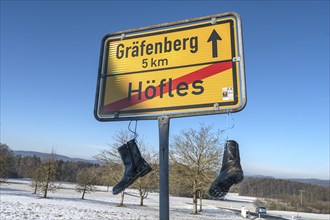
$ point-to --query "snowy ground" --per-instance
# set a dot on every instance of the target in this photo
(18, 202)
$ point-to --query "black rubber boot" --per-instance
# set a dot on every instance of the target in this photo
(135, 166)
(231, 171)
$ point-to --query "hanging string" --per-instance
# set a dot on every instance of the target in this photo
(134, 132)
(229, 125)
(232, 121)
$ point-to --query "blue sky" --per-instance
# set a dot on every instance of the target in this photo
(49, 61)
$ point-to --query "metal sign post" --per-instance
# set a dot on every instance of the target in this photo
(164, 125)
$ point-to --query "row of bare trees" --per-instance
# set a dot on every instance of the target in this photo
(195, 158)
(47, 173)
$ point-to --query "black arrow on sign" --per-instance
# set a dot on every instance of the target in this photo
(214, 37)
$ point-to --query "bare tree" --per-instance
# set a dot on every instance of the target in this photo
(37, 177)
(86, 180)
(106, 177)
(47, 175)
(196, 154)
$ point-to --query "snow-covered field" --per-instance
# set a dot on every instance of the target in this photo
(18, 202)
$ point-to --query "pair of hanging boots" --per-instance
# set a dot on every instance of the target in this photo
(231, 171)
(135, 166)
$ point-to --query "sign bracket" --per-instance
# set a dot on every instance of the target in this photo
(213, 20)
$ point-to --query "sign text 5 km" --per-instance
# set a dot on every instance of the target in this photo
(191, 67)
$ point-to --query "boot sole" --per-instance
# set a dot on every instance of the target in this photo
(142, 173)
(233, 178)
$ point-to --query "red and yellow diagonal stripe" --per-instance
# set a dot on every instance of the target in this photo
(122, 102)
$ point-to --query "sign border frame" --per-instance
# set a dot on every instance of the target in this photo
(102, 62)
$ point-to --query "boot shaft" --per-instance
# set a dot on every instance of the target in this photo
(125, 156)
(130, 155)
(134, 152)
(231, 155)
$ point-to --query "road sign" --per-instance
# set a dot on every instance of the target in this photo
(184, 68)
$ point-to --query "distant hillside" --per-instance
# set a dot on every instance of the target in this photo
(313, 181)
(308, 181)
(44, 156)
(289, 193)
